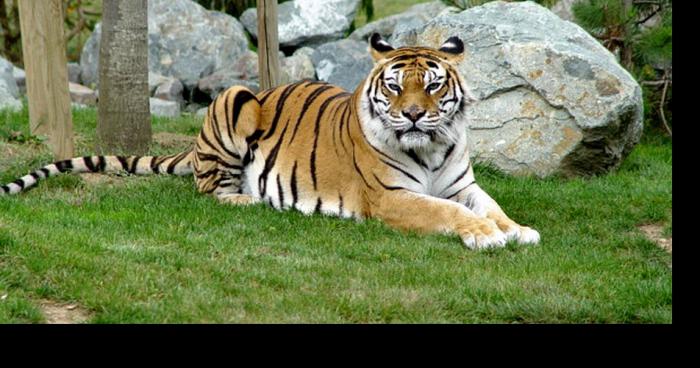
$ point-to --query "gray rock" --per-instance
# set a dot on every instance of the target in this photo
(305, 51)
(9, 92)
(155, 80)
(185, 41)
(551, 99)
(20, 79)
(74, 73)
(82, 95)
(164, 108)
(344, 63)
(201, 112)
(296, 67)
(89, 58)
(222, 79)
(415, 16)
(170, 90)
(307, 22)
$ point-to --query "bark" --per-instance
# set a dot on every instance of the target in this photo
(124, 120)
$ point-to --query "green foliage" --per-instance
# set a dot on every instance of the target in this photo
(640, 33)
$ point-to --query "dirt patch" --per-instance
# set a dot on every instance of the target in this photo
(172, 140)
(100, 179)
(655, 233)
(63, 313)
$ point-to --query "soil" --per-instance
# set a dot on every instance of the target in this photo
(63, 313)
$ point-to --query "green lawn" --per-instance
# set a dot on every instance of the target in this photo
(153, 250)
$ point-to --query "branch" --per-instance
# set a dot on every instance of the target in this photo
(661, 107)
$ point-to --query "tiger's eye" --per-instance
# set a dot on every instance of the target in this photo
(394, 87)
(432, 87)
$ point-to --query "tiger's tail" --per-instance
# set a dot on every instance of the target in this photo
(176, 164)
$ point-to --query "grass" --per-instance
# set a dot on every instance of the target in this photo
(153, 250)
(385, 8)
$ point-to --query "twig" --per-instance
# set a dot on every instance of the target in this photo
(663, 102)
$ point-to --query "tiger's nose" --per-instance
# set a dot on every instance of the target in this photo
(413, 113)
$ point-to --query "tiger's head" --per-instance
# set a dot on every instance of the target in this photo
(414, 96)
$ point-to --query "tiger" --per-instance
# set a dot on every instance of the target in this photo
(395, 150)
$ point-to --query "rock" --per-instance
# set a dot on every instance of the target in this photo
(20, 79)
(9, 93)
(551, 99)
(164, 108)
(307, 22)
(415, 16)
(306, 51)
(82, 95)
(185, 41)
(74, 73)
(170, 90)
(296, 67)
(563, 9)
(223, 79)
(155, 80)
(202, 111)
(89, 58)
(344, 63)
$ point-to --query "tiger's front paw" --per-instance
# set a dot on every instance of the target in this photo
(528, 236)
(238, 199)
(483, 234)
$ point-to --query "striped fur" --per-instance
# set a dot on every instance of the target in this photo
(395, 149)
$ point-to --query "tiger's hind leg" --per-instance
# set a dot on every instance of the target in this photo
(224, 144)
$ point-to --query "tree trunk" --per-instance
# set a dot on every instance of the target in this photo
(124, 119)
(44, 49)
(268, 45)
(626, 51)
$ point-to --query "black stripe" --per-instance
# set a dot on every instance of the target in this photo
(270, 162)
(46, 172)
(400, 65)
(35, 176)
(403, 172)
(254, 137)
(317, 129)
(20, 183)
(460, 176)
(217, 131)
(154, 165)
(307, 103)
(134, 163)
(280, 104)
(181, 156)
(123, 161)
(101, 163)
(340, 205)
(214, 148)
(279, 190)
(6, 189)
(387, 187)
(242, 97)
(457, 192)
(319, 203)
(293, 184)
(64, 165)
(412, 154)
(357, 168)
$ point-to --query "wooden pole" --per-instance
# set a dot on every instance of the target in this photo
(268, 44)
(45, 62)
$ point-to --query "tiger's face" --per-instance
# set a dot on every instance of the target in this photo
(416, 94)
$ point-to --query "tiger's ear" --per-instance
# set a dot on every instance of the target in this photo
(453, 49)
(378, 47)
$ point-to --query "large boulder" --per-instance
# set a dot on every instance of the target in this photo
(185, 41)
(344, 63)
(551, 99)
(9, 93)
(414, 17)
(307, 22)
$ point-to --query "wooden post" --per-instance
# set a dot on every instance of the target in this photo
(268, 44)
(45, 62)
